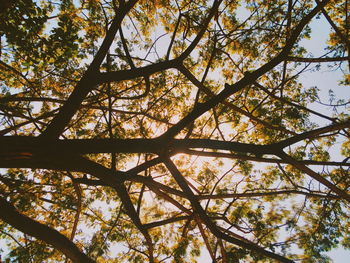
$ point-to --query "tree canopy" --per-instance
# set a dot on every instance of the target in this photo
(153, 131)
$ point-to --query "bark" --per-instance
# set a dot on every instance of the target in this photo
(23, 223)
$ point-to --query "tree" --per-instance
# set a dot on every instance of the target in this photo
(145, 131)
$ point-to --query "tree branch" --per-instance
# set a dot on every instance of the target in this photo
(207, 221)
(317, 60)
(250, 78)
(33, 228)
(88, 81)
(342, 193)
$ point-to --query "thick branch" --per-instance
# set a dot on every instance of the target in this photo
(317, 60)
(10, 215)
(88, 81)
(30, 146)
(259, 159)
(34, 145)
(128, 74)
(312, 134)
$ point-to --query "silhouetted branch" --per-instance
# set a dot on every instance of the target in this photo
(33, 228)
(207, 221)
(317, 60)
